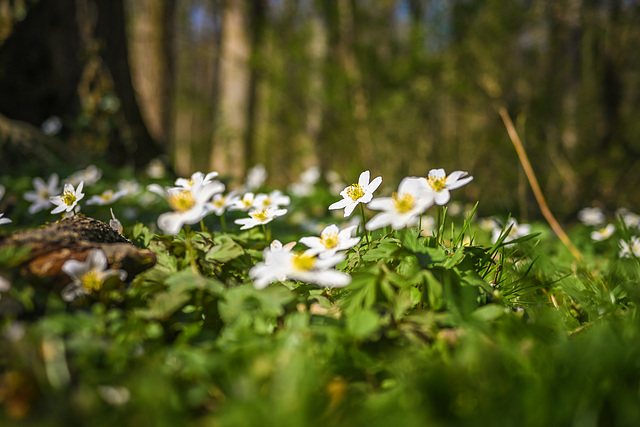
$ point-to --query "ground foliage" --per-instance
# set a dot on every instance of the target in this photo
(440, 328)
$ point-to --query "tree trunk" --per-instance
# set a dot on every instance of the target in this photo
(228, 145)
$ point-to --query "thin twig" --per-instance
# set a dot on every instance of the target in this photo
(531, 177)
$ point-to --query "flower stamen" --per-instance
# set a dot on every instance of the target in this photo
(260, 215)
(303, 262)
(181, 200)
(355, 191)
(68, 198)
(92, 281)
(438, 183)
(403, 203)
(329, 240)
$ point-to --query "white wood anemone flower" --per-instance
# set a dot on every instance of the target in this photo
(88, 276)
(188, 204)
(89, 176)
(630, 249)
(517, 231)
(275, 199)
(362, 192)
(4, 220)
(197, 179)
(331, 240)
(245, 203)
(591, 216)
(106, 197)
(440, 184)
(221, 202)
(603, 233)
(403, 208)
(259, 217)
(305, 267)
(68, 200)
(40, 197)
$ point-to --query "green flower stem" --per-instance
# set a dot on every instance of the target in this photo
(364, 230)
(223, 222)
(267, 233)
(440, 225)
(190, 251)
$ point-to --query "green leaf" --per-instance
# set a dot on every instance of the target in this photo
(164, 305)
(364, 323)
(489, 312)
(224, 252)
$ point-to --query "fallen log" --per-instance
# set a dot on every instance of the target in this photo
(50, 246)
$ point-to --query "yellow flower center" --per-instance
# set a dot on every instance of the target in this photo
(355, 191)
(181, 200)
(403, 203)
(266, 202)
(68, 198)
(107, 195)
(261, 215)
(247, 202)
(437, 183)
(220, 202)
(44, 194)
(304, 262)
(92, 281)
(329, 240)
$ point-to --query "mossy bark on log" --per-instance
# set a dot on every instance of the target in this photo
(50, 246)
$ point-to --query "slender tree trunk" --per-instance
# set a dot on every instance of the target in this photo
(153, 63)
(228, 145)
(111, 34)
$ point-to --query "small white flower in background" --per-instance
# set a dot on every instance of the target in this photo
(362, 192)
(591, 216)
(88, 276)
(68, 200)
(114, 223)
(304, 267)
(256, 177)
(106, 197)
(277, 246)
(630, 219)
(629, 249)
(221, 202)
(130, 186)
(603, 233)
(488, 224)
(243, 204)
(4, 220)
(5, 284)
(441, 184)
(189, 206)
(275, 199)
(331, 240)
(89, 176)
(198, 178)
(336, 184)
(155, 169)
(305, 185)
(428, 225)
(259, 217)
(51, 126)
(517, 231)
(40, 198)
(403, 208)
(114, 395)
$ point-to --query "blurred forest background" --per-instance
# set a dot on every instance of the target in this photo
(394, 86)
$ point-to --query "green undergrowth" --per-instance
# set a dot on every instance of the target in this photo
(445, 328)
